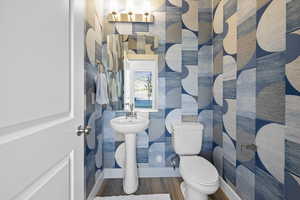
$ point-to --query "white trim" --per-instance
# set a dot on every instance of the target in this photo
(96, 187)
(230, 193)
(142, 172)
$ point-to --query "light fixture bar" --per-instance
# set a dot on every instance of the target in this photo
(130, 17)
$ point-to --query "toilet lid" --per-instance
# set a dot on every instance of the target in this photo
(195, 169)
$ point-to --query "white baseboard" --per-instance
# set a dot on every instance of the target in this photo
(143, 172)
(230, 193)
(96, 187)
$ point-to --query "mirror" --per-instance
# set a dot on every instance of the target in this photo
(117, 46)
(141, 82)
(143, 93)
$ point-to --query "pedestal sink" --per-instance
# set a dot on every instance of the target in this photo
(130, 126)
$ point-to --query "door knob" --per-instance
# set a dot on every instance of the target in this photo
(83, 130)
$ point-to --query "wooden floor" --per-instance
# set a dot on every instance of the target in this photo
(114, 187)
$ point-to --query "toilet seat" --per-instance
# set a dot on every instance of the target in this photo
(198, 172)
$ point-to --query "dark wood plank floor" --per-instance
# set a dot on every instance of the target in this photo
(114, 187)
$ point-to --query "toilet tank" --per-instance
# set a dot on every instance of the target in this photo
(187, 137)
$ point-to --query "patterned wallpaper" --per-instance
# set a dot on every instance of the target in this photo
(229, 64)
(183, 88)
(93, 160)
(256, 97)
(176, 25)
(292, 101)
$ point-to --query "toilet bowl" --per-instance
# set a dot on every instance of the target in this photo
(200, 177)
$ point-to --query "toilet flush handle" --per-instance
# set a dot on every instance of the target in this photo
(251, 147)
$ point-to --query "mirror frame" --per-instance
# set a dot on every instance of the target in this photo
(129, 71)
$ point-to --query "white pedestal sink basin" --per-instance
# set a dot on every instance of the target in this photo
(130, 127)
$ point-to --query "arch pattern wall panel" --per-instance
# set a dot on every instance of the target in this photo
(94, 141)
(189, 82)
(246, 98)
(292, 109)
(256, 96)
(270, 99)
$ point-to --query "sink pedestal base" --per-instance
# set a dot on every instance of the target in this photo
(130, 181)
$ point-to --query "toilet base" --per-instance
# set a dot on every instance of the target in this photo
(190, 193)
(183, 189)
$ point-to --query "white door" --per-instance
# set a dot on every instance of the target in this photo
(41, 99)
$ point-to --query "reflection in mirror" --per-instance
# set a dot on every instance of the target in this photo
(143, 89)
(141, 82)
(117, 46)
(115, 71)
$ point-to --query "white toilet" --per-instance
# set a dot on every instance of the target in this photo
(200, 177)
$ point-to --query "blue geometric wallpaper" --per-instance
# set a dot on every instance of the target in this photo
(180, 81)
(93, 160)
(185, 83)
(256, 97)
(292, 101)
(232, 65)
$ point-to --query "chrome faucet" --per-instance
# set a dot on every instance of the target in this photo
(131, 113)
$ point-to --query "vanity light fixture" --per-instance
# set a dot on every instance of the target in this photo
(146, 16)
(114, 15)
(130, 17)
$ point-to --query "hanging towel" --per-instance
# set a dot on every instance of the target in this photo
(101, 93)
(119, 86)
(114, 90)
